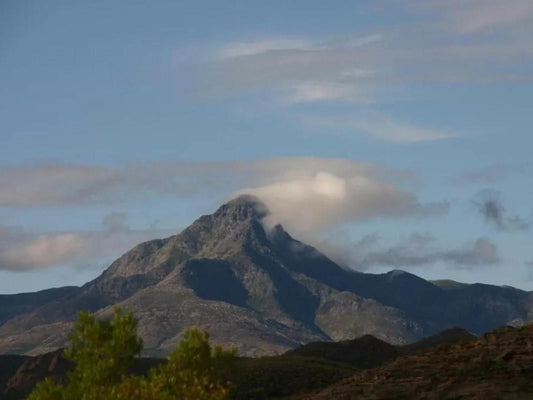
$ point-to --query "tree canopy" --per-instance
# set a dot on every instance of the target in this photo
(104, 352)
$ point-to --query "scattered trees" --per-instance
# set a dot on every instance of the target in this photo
(104, 352)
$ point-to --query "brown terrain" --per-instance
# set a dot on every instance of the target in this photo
(498, 365)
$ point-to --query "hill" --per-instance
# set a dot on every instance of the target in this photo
(498, 365)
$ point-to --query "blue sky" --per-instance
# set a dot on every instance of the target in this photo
(390, 134)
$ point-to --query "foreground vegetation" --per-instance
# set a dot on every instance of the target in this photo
(104, 352)
(104, 364)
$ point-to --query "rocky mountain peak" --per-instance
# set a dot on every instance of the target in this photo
(256, 287)
(242, 208)
(210, 236)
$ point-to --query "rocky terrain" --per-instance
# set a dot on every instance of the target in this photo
(498, 365)
(255, 288)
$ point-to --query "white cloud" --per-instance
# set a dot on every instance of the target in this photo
(379, 128)
(281, 65)
(58, 184)
(310, 206)
(43, 251)
(443, 41)
(21, 250)
(309, 195)
(243, 49)
(262, 46)
(405, 133)
(322, 91)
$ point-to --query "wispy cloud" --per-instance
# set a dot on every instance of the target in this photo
(322, 91)
(479, 16)
(116, 222)
(420, 250)
(379, 128)
(281, 45)
(306, 194)
(21, 250)
(475, 41)
(51, 184)
(453, 41)
(279, 65)
(251, 48)
(490, 206)
(493, 173)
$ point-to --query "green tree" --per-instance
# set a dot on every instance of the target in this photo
(104, 351)
(195, 370)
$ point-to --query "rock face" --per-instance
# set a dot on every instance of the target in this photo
(260, 290)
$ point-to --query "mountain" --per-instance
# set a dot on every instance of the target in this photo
(498, 365)
(12, 305)
(260, 290)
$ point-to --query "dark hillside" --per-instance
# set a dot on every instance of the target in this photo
(498, 365)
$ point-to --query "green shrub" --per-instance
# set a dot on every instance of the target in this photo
(104, 351)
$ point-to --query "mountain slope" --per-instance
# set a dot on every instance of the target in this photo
(260, 290)
(498, 365)
(12, 305)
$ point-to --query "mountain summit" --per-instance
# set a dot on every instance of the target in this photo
(256, 288)
(242, 208)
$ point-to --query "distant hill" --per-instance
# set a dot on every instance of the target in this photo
(255, 288)
(368, 351)
(15, 304)
(498, 365)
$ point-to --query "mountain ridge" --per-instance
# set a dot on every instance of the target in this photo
(261, 290)
(497, 365)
